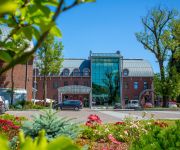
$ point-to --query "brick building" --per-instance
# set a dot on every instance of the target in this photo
(78, 79)
(21, 73)
(19, 79)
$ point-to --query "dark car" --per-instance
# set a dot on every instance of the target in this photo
(70, 104)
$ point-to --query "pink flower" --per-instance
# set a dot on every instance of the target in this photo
(93, 117)
(112, 139)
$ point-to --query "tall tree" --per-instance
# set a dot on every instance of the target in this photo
(156, 24)
(49, 59)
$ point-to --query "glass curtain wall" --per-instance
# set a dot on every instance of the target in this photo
(105, 80)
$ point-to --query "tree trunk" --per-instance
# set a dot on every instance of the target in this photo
(164, 94)
(45, 89)
(12, 85)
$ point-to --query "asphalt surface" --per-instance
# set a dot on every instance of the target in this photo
(105, 115)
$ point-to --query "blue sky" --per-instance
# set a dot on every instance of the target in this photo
(108, 26)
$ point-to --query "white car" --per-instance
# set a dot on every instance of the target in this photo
(172, 105)
(4, 105)
(133, 104)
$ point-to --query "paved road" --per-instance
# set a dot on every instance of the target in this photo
(106, 116)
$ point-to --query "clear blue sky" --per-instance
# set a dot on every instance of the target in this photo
(108, 26)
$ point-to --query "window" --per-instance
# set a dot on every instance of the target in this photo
(136, 97)
(135, 85)
(86, 72)
(75, 82)
(126, 85)
(76, 72)
(125, 72)
(145, 85)
(86, 83)
(55, 85)
(66, 72)
(65, 83)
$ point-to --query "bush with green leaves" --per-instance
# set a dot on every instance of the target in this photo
(39, 143)
(159, 137)
(21, 105)
(52, 124)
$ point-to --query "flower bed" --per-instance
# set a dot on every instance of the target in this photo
(119, 135)
(10, 125)
(94, 135)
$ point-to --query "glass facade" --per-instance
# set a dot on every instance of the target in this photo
(105, 78)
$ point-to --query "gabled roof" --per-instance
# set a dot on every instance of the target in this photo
(72, 64)
(138, 68)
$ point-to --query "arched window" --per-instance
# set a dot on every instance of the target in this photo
(85, 72)
(66, 72)
(125, 72)
(76, 72)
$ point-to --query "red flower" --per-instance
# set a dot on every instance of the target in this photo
(119, 122)
(17, 118)
(88, 123)
(15, 127)
(112, 139)
(5, 128)
(161, 124)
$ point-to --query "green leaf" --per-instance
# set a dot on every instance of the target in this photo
(7, 6)
(62, 143)
(5, 56)
(56, 31)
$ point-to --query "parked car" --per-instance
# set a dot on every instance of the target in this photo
(172, 105)
(133, 104)
(70, 104)
(4, 105)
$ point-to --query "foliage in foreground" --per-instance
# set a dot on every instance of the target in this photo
(40, 143)
(158, 138)
(135, 133)
(52, 124)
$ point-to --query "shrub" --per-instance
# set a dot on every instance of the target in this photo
(26, 105)
(52, 124)
(159, 137)
(40, 143)
(15, 120)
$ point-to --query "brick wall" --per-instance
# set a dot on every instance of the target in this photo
(54, 82)
(19, 78)
(129, 91)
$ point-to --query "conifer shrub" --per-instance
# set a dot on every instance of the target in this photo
(52, 124)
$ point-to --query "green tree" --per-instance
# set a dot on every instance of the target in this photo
(156, 24)
(49, 59)
(32, 18)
